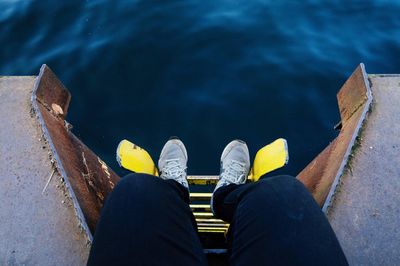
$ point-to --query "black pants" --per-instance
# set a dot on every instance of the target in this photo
(147, 221)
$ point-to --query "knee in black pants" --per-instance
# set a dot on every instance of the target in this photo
(278, 219)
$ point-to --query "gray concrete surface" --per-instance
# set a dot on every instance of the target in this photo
(366, 212)
(35, 228)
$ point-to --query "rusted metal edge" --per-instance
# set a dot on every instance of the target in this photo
(367, 104)
(322, 175)
(57, 159)
(87, 178)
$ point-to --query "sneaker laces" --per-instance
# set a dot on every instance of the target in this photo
(173, 169)
(234, 171)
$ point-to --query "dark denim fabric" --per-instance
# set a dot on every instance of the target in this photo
(147, 221)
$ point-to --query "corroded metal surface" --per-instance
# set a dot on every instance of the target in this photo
(322, 175)
(88, 178)
(51, 93)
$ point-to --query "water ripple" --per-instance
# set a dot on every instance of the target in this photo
(203, 70)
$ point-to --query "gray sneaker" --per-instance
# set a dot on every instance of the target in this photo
(173, 161)
(235, 165)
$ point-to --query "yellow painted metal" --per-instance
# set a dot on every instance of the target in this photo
(269, 158)
(209, 220)
(203, 179)
(213, 225)
(203, 214)
(134, 158)
(212, 231)
(201, 195)
(200, 206)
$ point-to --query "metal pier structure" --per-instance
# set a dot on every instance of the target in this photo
(52, 186)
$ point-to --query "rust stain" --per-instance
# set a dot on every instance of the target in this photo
(105, 170)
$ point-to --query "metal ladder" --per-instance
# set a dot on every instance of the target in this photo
(205, 219)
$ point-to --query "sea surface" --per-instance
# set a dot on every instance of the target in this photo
(206, 71)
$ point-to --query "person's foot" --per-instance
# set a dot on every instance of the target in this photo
(235, 164)
(172, 162)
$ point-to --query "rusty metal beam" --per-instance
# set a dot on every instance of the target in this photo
(88, 178)
(322, 175)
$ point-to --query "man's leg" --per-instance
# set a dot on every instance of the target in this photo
(276, 222)
(147, 221)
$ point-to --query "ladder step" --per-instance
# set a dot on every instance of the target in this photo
(198, 196)
(203, 179)
(215, 251)
(200, 206)
(203, 214)
(213, 229)
(212, 225)
(210, 220)
(212, 232)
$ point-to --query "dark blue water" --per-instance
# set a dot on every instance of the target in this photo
(206, 71)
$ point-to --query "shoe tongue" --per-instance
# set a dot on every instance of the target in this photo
(238, 162)
(172, 168)
(236, 165)
(234, 169)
